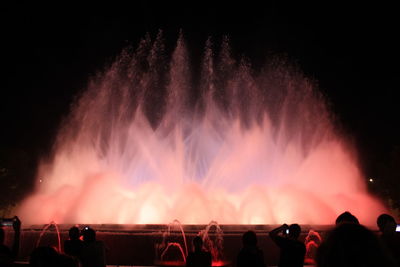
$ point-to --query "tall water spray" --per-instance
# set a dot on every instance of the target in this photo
(151, 141)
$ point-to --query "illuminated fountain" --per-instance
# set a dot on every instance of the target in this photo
(172, 253)
(149, 141)
(214, 245)
(48, 228)
(312, 241)
(173, 249)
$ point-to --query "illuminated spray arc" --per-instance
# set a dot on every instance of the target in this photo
(150, 142)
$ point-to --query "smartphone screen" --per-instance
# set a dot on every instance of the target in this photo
(287, 231)
(398, 228)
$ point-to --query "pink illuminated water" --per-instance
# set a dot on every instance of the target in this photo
(214, 245)
(152, 140)
(46, 228)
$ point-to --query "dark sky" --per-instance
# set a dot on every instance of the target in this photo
(50, 51)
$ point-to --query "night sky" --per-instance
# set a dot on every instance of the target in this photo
(49, 53)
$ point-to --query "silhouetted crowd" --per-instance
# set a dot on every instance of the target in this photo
(349, 244)
(80, 250)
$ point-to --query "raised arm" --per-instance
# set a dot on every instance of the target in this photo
(274, 234)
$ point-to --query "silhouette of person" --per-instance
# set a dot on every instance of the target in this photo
(389, 237)
(49, 257)
(250, 255)
(43, 257)
(351, 244)
(7, 255)
(346, 217)
(93, 251)
(199, 257)
(292, 250)
(73, 246)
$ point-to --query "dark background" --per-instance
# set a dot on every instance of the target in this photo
(50, 51)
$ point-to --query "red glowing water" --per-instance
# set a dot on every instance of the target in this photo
(146, 143)
(182, 263)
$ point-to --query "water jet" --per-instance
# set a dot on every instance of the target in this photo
(148, 143)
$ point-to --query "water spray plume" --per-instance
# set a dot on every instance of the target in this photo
(150, 142)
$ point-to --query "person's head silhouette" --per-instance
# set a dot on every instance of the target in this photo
(44, 256)
(346, 217)
(294, 231)
(386, 223)
(89, 235)
(249, 239)
(74, 233)
(197, 243)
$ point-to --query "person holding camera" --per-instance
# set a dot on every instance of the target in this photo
(292, 250)
(7, 255)
(93, 252)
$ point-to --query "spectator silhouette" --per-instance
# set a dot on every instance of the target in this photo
(292, 250)
(43, 257)
(7, 255)
(73, 246)
(389, 237)
(346, 217)
(199, 257)
(49, 257)
(93, 251)
(352, 245)
(250, 255)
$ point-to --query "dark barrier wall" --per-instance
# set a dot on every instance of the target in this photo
(136, 244)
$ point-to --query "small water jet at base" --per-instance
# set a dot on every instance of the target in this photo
(312, 241)
(46, 228)
(149, 142)
(214, 246)
(164, 255)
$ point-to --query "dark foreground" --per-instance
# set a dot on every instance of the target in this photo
(137, 245)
